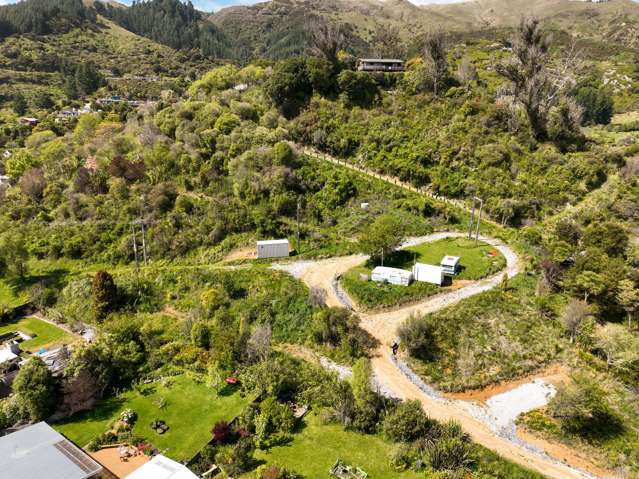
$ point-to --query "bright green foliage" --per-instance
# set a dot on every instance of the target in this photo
(34, 391)
(407, 422)
(381, 237)
(597, 105)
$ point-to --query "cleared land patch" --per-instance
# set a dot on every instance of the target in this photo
(478, 260)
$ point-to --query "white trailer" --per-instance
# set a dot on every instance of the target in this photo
(273, 248)
(428, 273)
(450, 264)
(400, 277)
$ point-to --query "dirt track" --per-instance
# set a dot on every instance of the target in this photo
(549, 459)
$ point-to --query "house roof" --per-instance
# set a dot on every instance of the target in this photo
(38, 451)
(381, 60)
(7, 355)
(161, 467)
(431, 267)
(389, 270)
(275, 241)
(450, 261)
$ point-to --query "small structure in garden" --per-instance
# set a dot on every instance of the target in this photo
(428, 273)
(278, 248)
(343, 471)
(159, 426)
(384, 274)
(450, 264)
(161, 467)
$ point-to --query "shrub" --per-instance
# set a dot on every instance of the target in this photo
(449, 454)
(417, 335)
(407, 422)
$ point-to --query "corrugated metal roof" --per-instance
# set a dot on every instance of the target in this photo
(381, 60)
(38, 452)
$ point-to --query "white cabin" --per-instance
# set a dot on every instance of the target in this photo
(400, 277)
(450, 264)
(428, 273)
(273, 248)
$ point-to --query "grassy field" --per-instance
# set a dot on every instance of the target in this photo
(475, 264)
(316, 447)
(191, 409)
(11, 296)
(491, 337)
(45, 334)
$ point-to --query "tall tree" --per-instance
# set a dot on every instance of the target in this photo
(532, 85)
(436, 58)
(326, 41)
(628, 298)
(103, 295)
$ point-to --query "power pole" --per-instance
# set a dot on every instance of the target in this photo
(135, 246)
(472, 219)
(144, 243)
(299, 205)
(481, 207)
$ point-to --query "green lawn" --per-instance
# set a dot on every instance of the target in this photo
(317, 446)
(475, 264)
(44, 334)
(10, 295)
(191, 410)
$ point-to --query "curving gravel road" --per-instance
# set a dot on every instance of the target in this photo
(395, 378)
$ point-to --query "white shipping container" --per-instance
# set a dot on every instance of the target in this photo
(273, 248)
(428, 273)
(383, 274)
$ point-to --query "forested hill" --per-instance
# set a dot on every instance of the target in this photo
(170, 22)
(43, 16)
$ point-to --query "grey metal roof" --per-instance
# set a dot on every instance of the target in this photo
(381, 60)
(38, 451)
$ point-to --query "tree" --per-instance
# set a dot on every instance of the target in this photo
(43, 100)
(573, 317)
(35, 390)
(628, 298)
(466, 72)
(289, 86)
(527, 72)
(589, 284)
(582, 408)
(597, 104)
(436, 58)
(382, 236)
(104, 295)
(32, 183)
(259, 343)
(358, 88)
(621, 349)
(13, 253)
(19, 104)
(368, 404)
(326, 41)
(387, 42)
(407, 422)
(418, 337)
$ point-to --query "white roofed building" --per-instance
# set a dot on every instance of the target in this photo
(450, 264)
(161, 467)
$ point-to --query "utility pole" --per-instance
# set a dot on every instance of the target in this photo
(472, 219)
(299, 205)
(481, 207)
(144, 243)
(135, 247)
